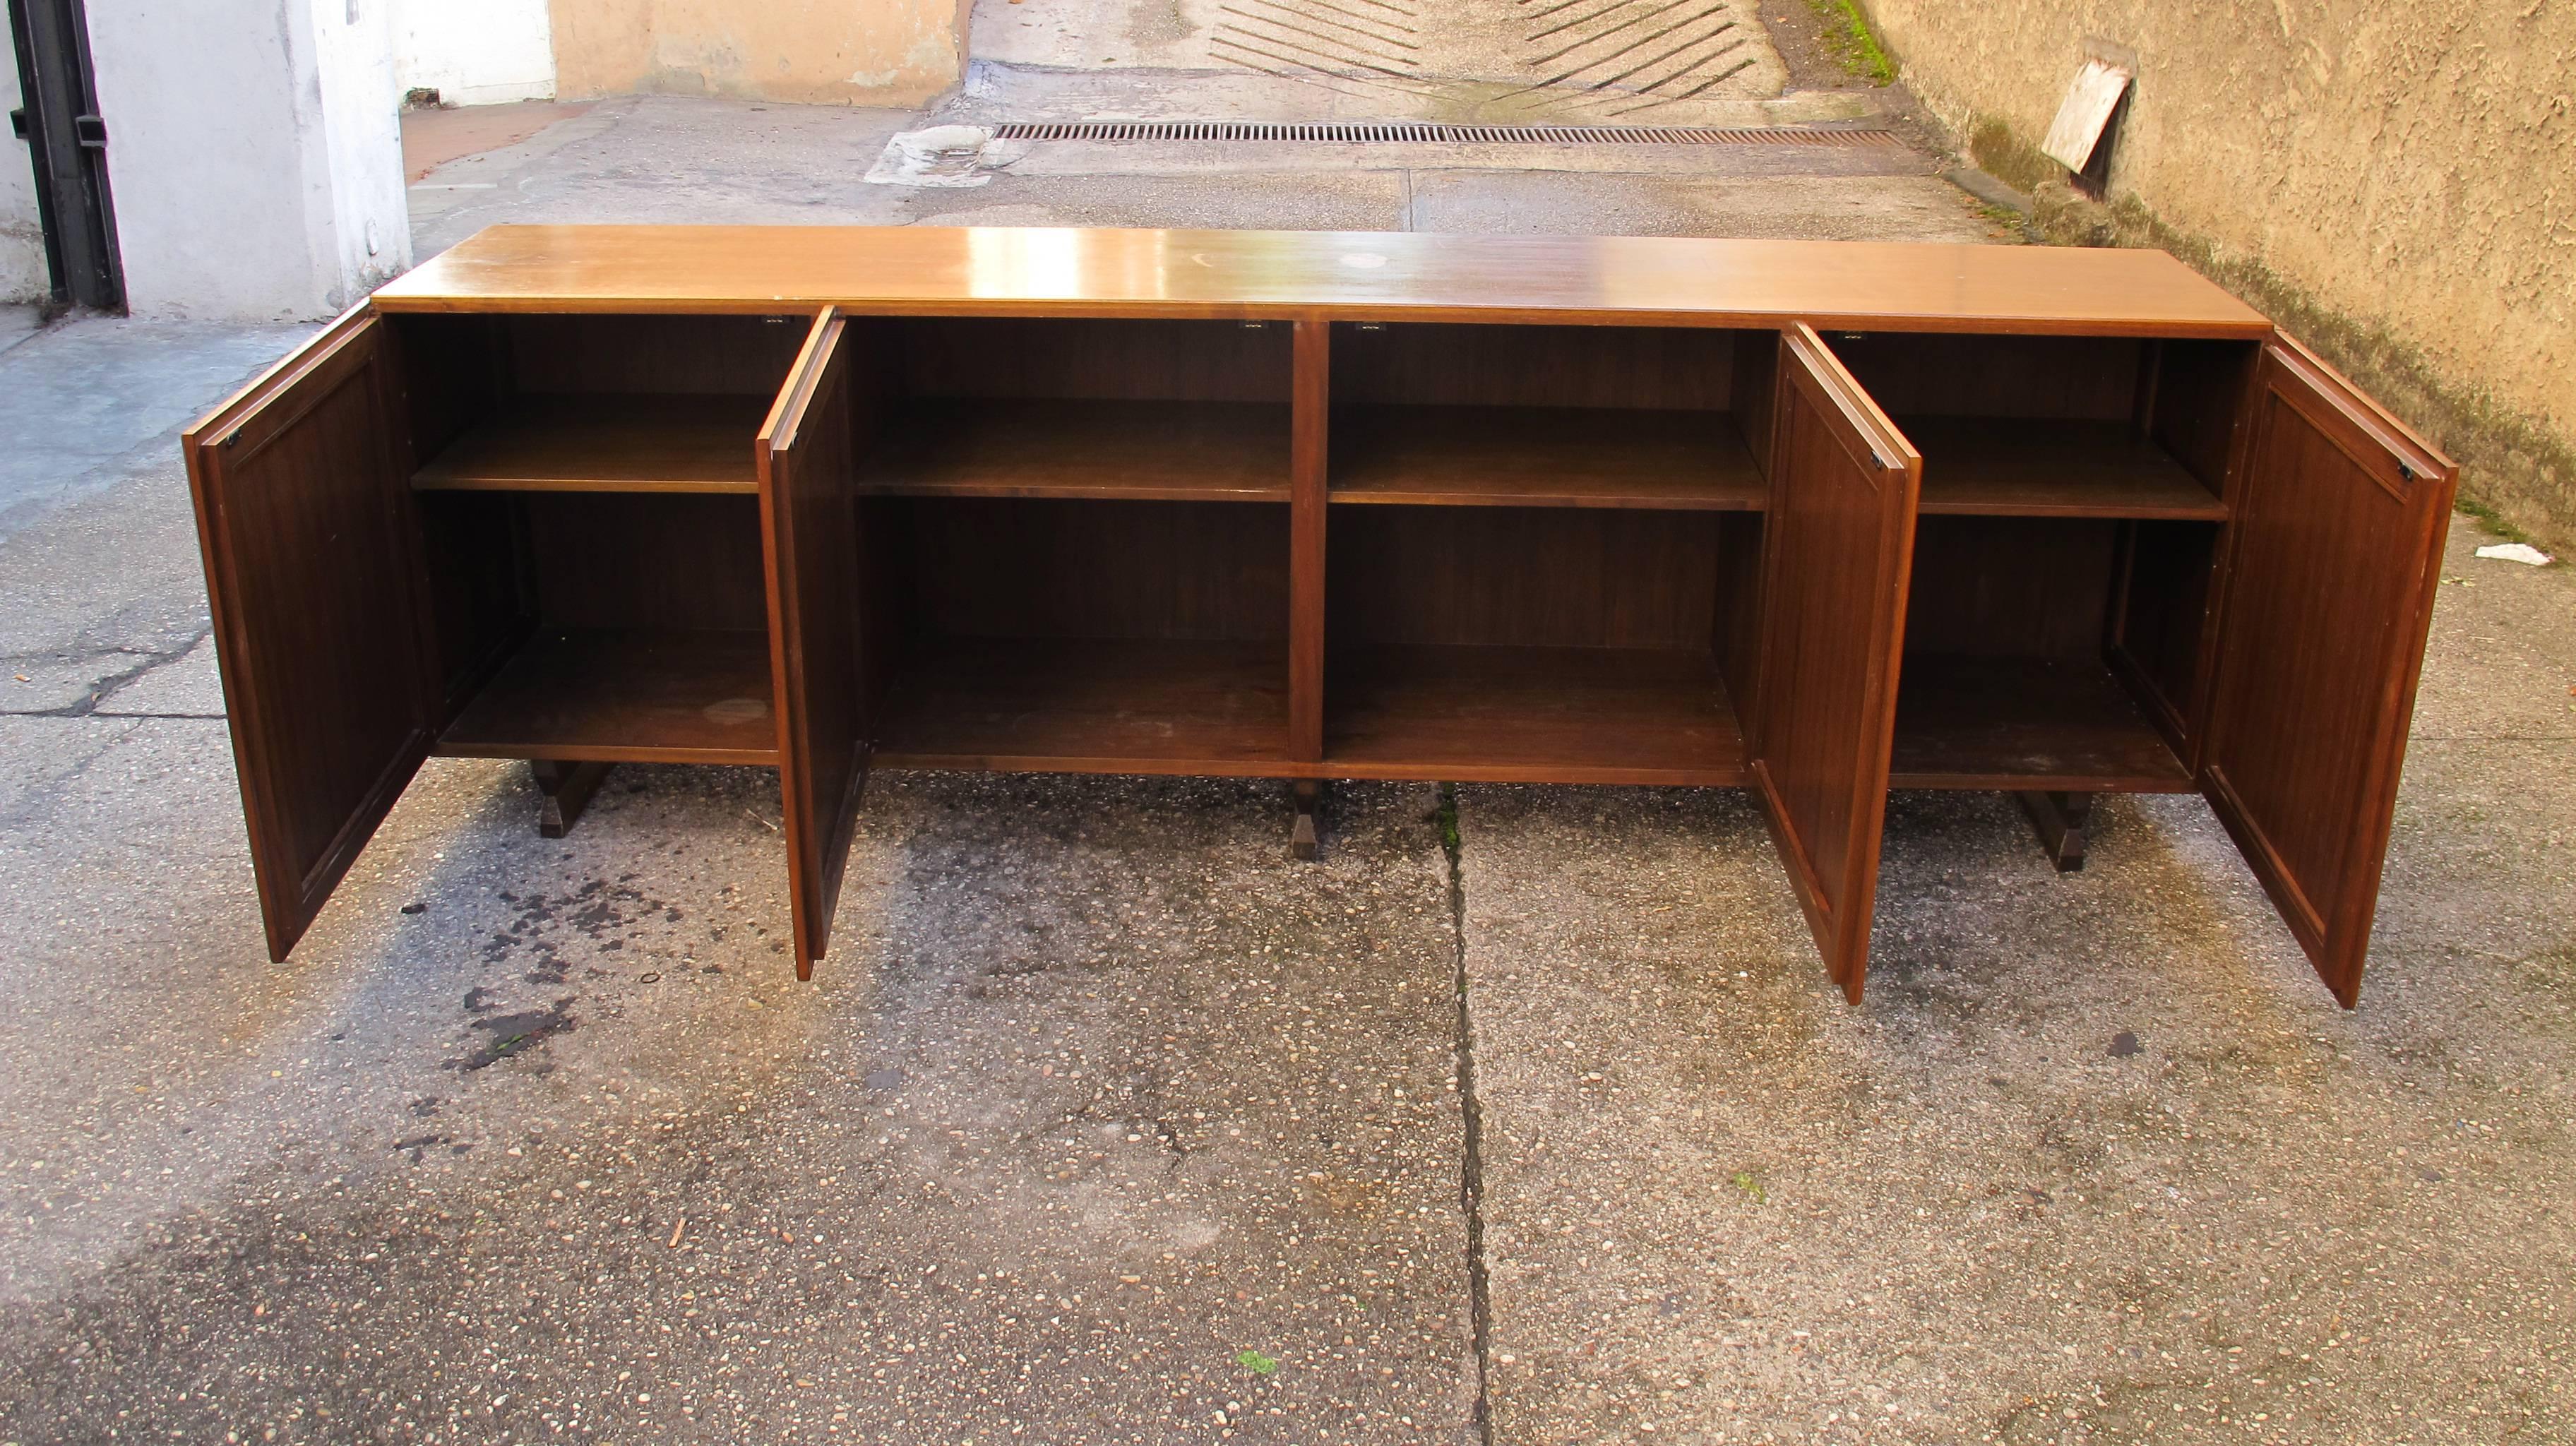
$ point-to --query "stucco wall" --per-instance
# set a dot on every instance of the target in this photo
(475, 52)
(22, 237)
(2395, 183)
(833, 52)
(275, 195)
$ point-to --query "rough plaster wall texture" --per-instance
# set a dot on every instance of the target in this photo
(208, 181)
(370, 206)
(250, 144)
(22, 236)
(475, 52)
(2393, 182)
(833, 52)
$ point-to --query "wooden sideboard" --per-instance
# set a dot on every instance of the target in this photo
(1818, 519)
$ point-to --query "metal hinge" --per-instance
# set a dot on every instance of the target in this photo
(18, 123)
(90, 132)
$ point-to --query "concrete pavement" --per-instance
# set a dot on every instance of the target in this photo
(1103, 1122)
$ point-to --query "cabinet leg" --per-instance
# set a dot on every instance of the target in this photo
(567, 788)
(2061, 819)
(1301, 840)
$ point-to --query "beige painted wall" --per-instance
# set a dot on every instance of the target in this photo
(829, 52)
(2396, 183)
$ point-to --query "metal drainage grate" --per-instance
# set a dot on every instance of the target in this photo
(1435, 133)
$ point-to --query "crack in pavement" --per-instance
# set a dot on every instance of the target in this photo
(1471, 1162)
(109, 685)
(39, 802)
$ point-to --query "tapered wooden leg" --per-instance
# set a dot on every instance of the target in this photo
(567, 788)
(2061, 819)
(1301, 839)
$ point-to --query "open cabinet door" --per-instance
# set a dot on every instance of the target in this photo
(304, 515)
(2335, 554)
(1838, 547)
(810, 525)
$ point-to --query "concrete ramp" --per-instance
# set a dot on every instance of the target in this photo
(1675, 62)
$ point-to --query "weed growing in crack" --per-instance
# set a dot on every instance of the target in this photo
(1848, 36)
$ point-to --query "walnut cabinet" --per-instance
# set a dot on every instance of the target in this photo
(1818, 520)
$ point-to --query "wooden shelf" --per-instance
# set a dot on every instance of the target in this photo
(605, 443)
(1508, 715)
(2015, 723)
(1542, 457)
(1138, 451)
(2016, 467)
(1084, 705)
(625, 696)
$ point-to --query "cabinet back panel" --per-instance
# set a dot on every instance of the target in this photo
(2170, 564)
(1522, 577)
(1415, 364)
(2010, 587)
(707, 355)
(992, 567)
(618, 560)
(479, 588)
(1757, 375)
(2200, 388)
(452, 376)
(1921, 375)
(1083, 359)
(1737, 626)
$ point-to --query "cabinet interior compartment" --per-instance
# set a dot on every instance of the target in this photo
(581, 626)
(1525, 643)
(557, 403)
(1109, 409)
(2051, 653)
(2059, 426)
(1076, 635)
(1442, 414)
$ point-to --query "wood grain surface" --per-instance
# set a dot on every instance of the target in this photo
(921, 270)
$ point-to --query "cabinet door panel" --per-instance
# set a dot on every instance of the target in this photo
(2334, 558)
(810, 519)
(1839, 543)
(304, 516)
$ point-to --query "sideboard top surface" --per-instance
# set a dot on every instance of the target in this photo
(1360, 275)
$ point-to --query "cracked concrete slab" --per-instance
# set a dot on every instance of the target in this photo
(2098, 1160)
(184, 684)
(98, 594)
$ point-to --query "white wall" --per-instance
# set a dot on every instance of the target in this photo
(362, 144)
(22, 239)
(276, 194)
(475, 52)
